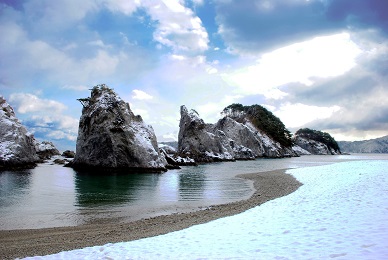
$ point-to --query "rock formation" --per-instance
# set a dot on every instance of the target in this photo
(110, 136)
(174, 160)
(17, 145)
(45, 149)
(225, 140)
(316, 142)
(68, 154)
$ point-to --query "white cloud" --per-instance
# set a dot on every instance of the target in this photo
(198, 2)
(303, 62)
(75, 87)
(98, 43)
(39, 57)
(178, 27)
(178, 57)
(57, 15)
(142, 112)
(59, 134)
(46, 114)
(141, 95)
(211, 111)
(355, 134)
(169, 137)
(28, 103)
(102, 64)
(170, 120)
(297, 115)
(124, 6)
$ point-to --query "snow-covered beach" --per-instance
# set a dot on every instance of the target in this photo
(340, 212)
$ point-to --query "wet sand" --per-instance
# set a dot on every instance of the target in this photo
(32, 242)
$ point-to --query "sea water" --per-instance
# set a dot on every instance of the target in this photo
(52, 195)
(339, 213)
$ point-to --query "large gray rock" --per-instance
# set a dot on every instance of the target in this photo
(198, 139)
(110, 136)
(17, 149)
(225, 140)
(313, 147)
(45, 149)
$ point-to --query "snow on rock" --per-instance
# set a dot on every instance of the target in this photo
(45, 149)
(300, 151)
(312, 146)
(340, 212)
(226, 140)
(167, 148)
(197, 140)
(110, 136)
(17, 147)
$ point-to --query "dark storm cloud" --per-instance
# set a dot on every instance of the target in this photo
(253, 26)
(360, 13)
(362, 103)
(349, 87)
(358, 117)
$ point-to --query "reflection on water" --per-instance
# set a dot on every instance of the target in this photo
(13, 186)
(99, 190)
(52, 195)
(192, 183)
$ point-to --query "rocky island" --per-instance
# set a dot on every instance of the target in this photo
(316, 142)
(240, 135)
(111, 137)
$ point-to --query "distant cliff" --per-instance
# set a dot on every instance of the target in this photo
(110, 136)
(378, 145)
(316, 142)
(234, 137)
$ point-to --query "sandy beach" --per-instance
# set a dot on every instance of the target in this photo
(32, 242)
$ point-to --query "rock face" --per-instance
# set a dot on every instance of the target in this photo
(110, 136)
(45, 150)
(378, 145)
(315, 142)
(17, 145)
(174, 160)
(226, 140)
(68, 154)
(313, 147)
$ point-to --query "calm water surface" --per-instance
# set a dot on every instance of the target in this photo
(52, 195)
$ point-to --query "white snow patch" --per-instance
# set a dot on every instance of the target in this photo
(184, 159)
(6, 151)
(43, 146)
(300, 151)
(267, 141)
(340, 212)
(222, 156)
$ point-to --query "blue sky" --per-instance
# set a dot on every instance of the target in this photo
(314, 63)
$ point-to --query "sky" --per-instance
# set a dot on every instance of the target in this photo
(320, 64)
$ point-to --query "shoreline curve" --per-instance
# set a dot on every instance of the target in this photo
(33, 242)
